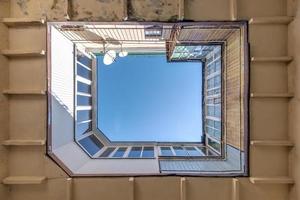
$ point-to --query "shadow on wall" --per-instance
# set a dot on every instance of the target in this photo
(62, 122)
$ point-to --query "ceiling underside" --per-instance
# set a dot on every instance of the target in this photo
(97, 38)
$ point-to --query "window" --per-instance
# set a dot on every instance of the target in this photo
(192, 151)
(120, 152)
(214, 144)
(91, 144)
(202, 150)
(83, 98)
(166, 151)
(158, 98)
(180, 151)
(135, 152)
(107, 152)
(148, 152)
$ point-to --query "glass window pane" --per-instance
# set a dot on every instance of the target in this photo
(210, 59)
(211, 153)
(82, 128)
(179, 151)
(211, 92)
(120, 152)
(84, 60)
(210, 68)
(210, 110)
(202, 150)
(192, 151)
(218, 110)
(135, 152)
(218, 51)
(210, 101)
(210, 131)
(217, 81)
(189, 52)
(148, 152)
(218, 91)
(107, 152)
(83, 115)
(214, 144)
(218, 125)
(84, 72)
(84, 100)
(210, 83)
(217, 134)
(166, 151)
(210, 122)
(218, 65)
(217, 100)
(82, 87)
(91, 144)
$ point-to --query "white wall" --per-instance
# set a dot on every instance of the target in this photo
(62, 89)
(120, 166)
(72, 156)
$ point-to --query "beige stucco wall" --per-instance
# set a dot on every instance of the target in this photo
(24, 116)
(234, 77)
(294, 106)
(4, 12)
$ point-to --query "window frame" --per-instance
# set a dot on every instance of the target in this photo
(223, 77)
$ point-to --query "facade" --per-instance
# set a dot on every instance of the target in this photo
(27, 173)
(183, 42)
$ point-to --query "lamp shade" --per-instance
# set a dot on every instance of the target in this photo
(109, 57)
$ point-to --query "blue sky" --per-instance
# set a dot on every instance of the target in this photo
(144, 98)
